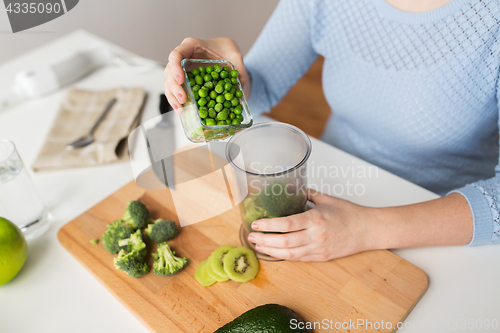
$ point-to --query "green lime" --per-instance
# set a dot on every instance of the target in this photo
(13, 250)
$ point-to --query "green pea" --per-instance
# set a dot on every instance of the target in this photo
(214, 83)
(234, 73)
(209, 69)
(219, 88)
(232, 115)
(213, 94)
(225, 68)
(222, 116)
(217, 68)
(220, 99)
(224, 74)
(204, 121)
(221, 82)
(203, 92)
(196, 95)
(209, 85)
(226, 110)
(239, 117)
(234, 81)
(190, 75)
(195, 87)
(228, 86)
(212, 113)
(227, 80)
(202, 101)
(232, 90)
(218, 107)
(228, 121)
(235, 101)
(215, 75)
(203, 113)
(211, 104)
(227, 104)
(192, 82)
(195, 72)
(221, 122)
(236, 121)
(208, 98)
(201, 69)
(210, 122)
(198, 79)
(207, 77)
(238, 93)
(228, 96)
(238, 109)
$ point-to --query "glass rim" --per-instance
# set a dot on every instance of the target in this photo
(292, 128)
(11, 153)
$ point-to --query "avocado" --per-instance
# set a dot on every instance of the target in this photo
(268, 318)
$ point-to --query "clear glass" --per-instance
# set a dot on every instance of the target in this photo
(269, 163)
(194, 129)
(19, 200)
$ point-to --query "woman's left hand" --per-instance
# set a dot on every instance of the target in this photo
(334, 228)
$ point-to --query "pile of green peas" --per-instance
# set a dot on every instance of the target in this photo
(215, 90)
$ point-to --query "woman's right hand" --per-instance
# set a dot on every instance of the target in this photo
(217, 48)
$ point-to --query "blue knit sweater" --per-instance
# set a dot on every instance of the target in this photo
(415, 93)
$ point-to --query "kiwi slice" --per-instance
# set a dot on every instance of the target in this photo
(216, 260)
(202, 276)
(240, 264)
(213, 274)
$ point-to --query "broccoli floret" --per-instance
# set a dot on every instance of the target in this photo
(131, 263)
(136, 215)
(161, 231)
(166, 263)
(95, 241)
(115, 232)
(134, 243)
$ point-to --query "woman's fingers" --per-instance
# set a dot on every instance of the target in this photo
(295, 253)
(171, 99)
(289, 240)
(175, 89)
(183, 51)
(284, 224)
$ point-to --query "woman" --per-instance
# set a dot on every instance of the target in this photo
(414, 89)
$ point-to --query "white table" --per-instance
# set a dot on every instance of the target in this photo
(54, 293)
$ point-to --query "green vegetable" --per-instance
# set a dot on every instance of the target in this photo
(276, 200)
(166, 263)
(115, 232)
(161, 231)
(268, 318)
(131, 263)
(135, 243)
(234, 73)
(136, 215)
(95, 241)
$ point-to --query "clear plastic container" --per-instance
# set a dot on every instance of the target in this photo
(194, 129)
(269, 163)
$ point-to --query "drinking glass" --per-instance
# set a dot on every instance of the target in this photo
(269, 163)
(19, 200)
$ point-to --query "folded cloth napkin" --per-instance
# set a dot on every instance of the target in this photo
(79, 111)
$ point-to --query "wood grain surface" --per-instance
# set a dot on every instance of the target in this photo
(370, 286)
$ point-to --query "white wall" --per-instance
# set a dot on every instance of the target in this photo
(151, 28)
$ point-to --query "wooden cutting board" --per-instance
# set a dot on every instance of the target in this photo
(372, 286)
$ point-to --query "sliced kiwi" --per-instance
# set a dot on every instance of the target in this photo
(216, 260)
(213, 274)
(240, 264)
(202, 276)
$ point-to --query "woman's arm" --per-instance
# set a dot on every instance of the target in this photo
(337, 228)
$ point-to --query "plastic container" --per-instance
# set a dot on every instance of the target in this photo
(194, 129)
(269, 163)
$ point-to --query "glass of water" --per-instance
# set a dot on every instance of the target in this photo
(19, 200)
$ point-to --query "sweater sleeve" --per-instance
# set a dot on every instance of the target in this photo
(484, 200)
(282, 53)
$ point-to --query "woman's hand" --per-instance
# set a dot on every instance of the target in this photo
(334, 228)
(217, 48)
